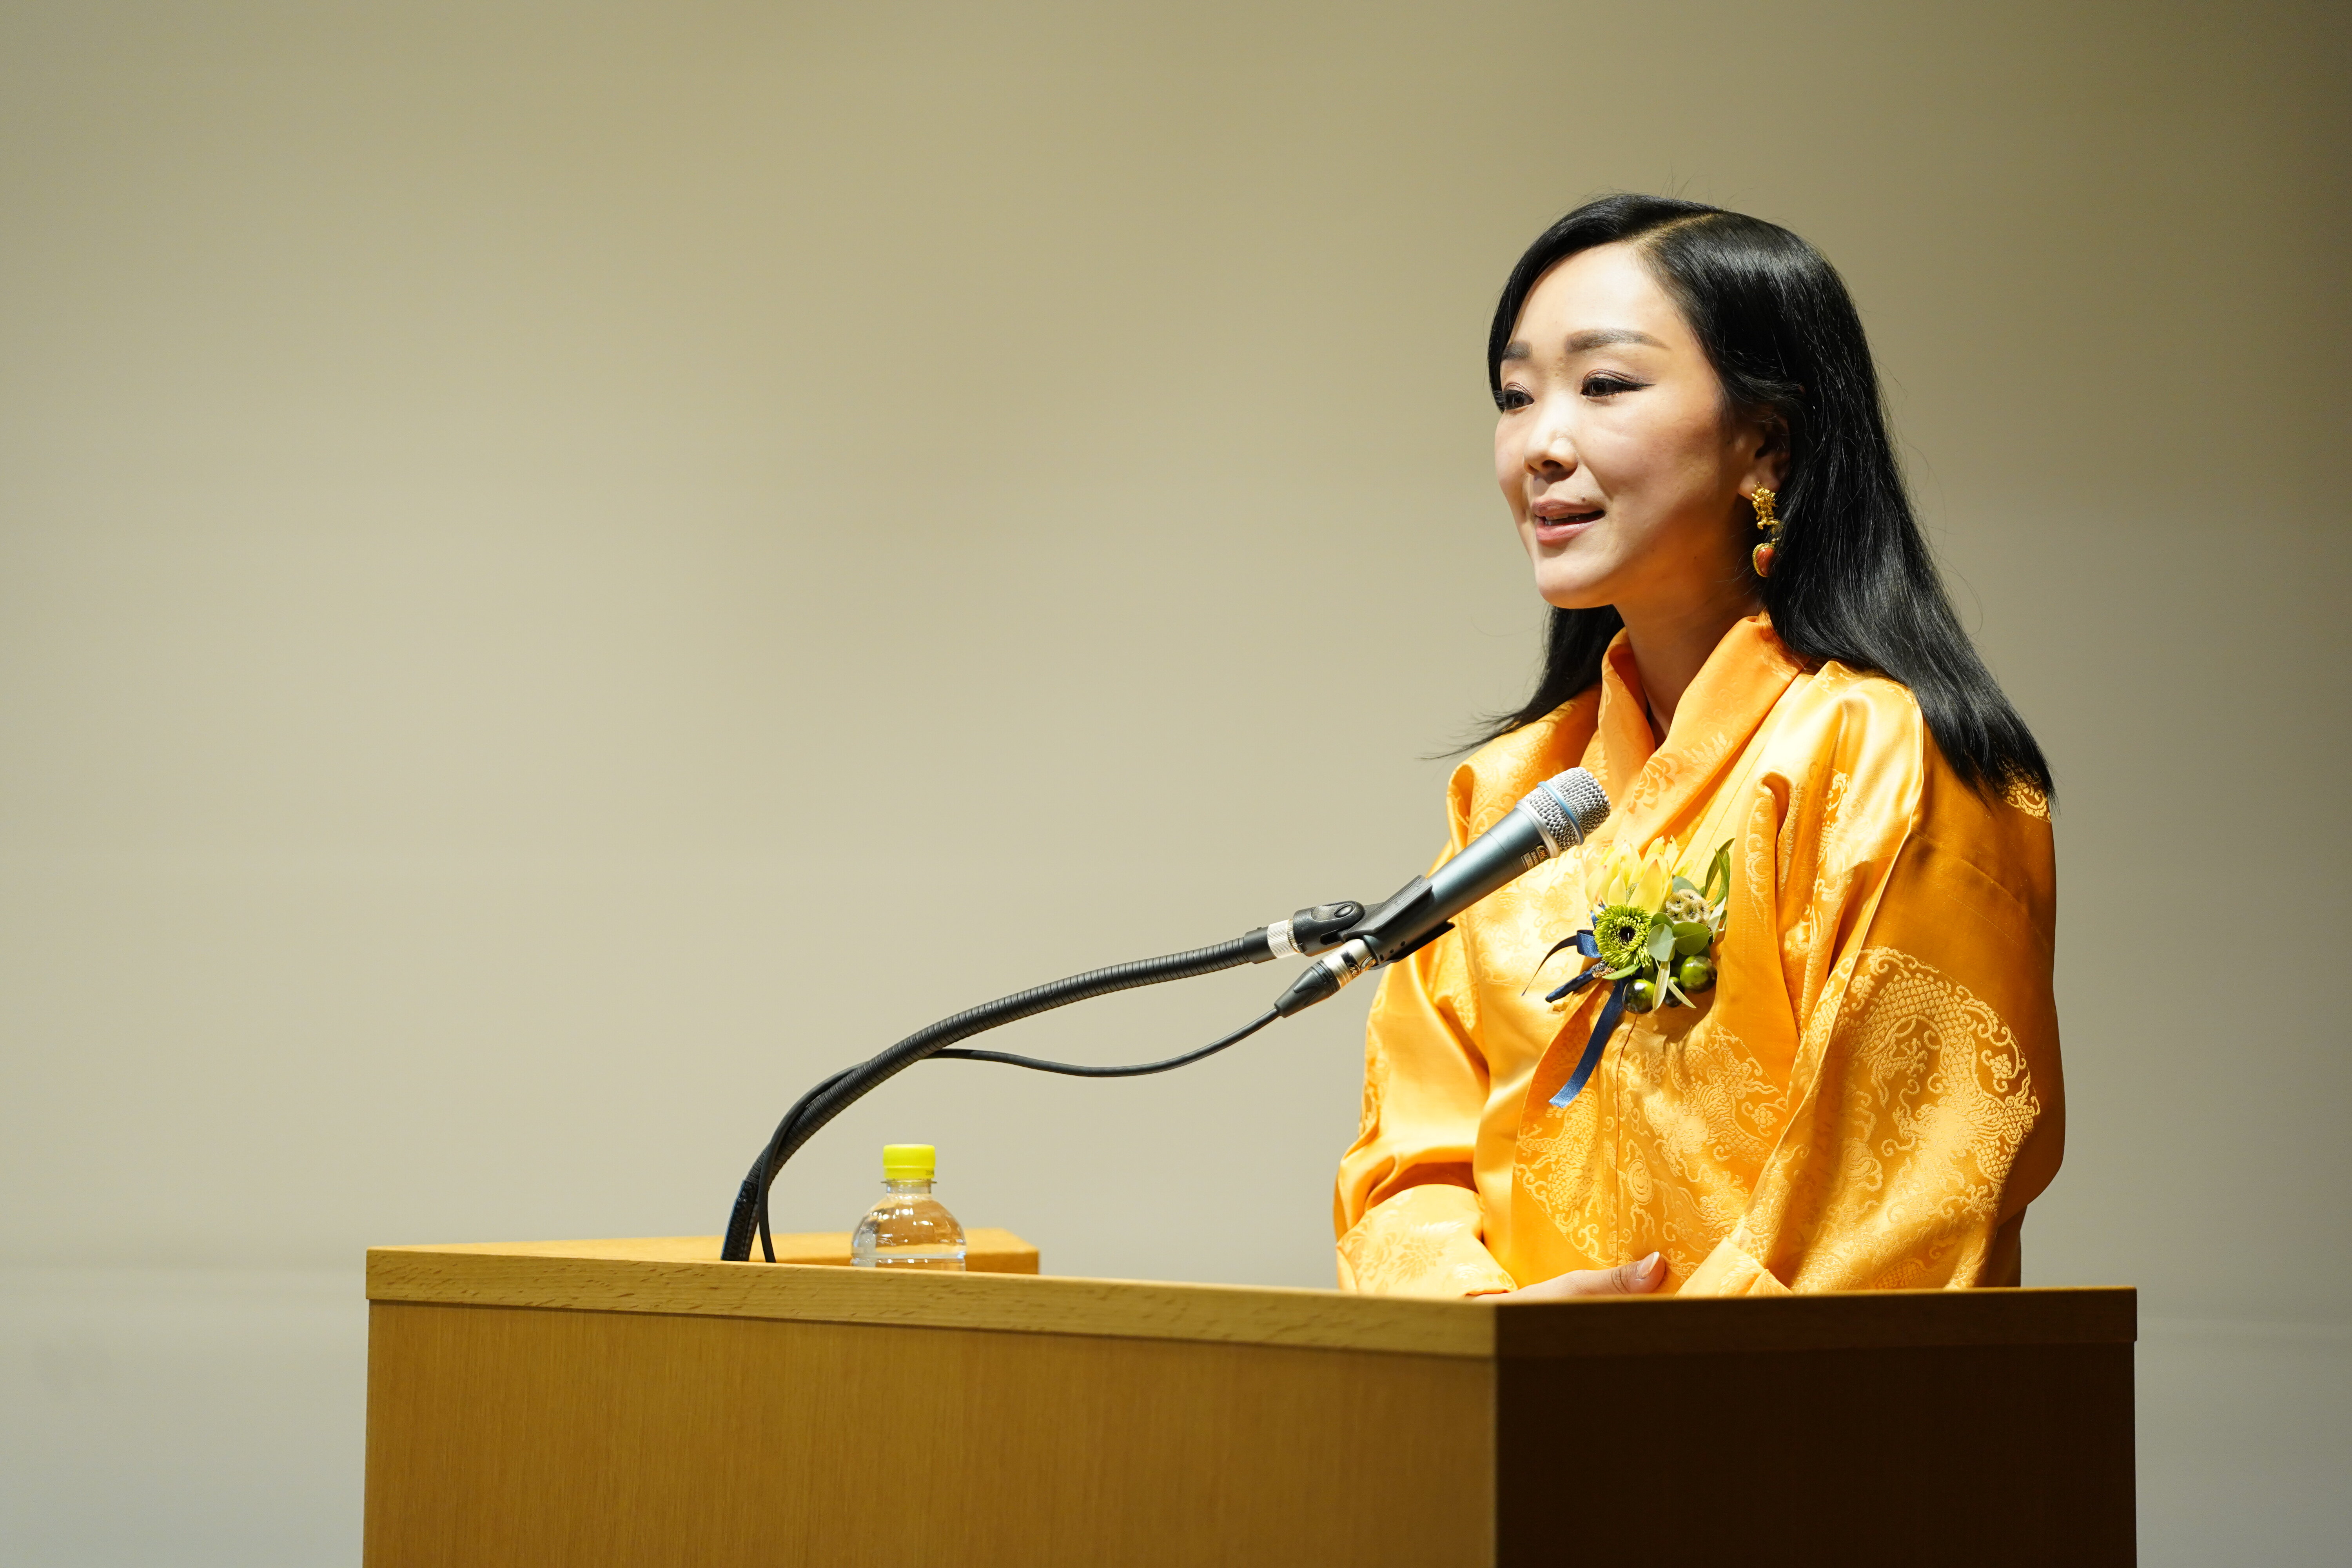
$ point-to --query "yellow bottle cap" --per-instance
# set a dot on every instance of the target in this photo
(909, 1161)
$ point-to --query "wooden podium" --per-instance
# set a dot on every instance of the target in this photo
(625, 1402)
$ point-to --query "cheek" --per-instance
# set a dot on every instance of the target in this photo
(1508, 468)
(1663, 460)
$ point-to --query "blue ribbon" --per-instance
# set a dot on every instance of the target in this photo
(1603, 1027)
(1583, 942)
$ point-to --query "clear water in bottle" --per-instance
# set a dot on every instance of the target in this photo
(909, 1229)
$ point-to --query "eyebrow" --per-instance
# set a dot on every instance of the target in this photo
(1601, 337)
(1585, 342)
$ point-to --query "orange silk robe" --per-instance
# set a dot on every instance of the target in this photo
(1866, 1099)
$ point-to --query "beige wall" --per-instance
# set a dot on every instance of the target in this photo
(565, 571)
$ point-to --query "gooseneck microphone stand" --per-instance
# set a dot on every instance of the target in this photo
(1308, 932)
(1344, 939)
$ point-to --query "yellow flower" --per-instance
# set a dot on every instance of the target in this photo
(1642, 880)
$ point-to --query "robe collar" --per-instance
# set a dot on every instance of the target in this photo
(1652, 783)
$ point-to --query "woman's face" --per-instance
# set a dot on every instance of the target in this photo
(1626, 474)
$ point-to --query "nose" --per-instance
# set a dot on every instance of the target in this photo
(1551, 446)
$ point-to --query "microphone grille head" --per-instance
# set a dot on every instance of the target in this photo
(1585, 798)
(1568, 807)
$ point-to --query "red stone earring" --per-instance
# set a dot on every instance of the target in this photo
(1761, 556)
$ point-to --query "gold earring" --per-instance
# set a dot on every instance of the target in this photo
(1761, 556)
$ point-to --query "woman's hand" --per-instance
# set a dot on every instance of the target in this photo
(1625, 1280)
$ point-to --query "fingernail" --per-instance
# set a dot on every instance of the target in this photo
(1649, 1265)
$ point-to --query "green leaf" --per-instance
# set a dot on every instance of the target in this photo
(1682, 885)
(1562, 945)
(1661, 945)
(1718, 871)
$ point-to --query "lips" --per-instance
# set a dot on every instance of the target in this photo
(1555, 522)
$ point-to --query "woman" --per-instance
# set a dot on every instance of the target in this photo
(1837, 1067)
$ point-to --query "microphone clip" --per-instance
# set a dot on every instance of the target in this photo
(1312, 931)
(1391, 931)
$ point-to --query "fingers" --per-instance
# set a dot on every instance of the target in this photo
(1639, 1278)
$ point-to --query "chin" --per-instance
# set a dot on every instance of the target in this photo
(1572, 595)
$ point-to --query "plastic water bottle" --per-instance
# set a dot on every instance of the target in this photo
(909, 1229)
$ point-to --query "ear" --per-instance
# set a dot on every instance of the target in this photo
(1767, 465)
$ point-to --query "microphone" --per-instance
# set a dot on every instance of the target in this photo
(1550, 819)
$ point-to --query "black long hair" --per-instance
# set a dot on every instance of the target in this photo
(1852, 579)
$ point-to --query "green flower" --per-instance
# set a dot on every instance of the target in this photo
(1687, 906)
(1621, 933)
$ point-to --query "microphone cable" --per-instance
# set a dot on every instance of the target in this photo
(1071, 1069)
(844, 1089)
(1139, 1069)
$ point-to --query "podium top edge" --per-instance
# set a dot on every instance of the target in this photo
(682, 1276)
(988, 1250)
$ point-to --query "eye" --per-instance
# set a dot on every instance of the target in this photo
(1600, 384)
(1512, 399)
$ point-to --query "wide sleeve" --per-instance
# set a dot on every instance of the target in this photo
(1406, 1208)
(1926, 1102)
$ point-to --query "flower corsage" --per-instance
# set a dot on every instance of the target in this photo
(1651, 933)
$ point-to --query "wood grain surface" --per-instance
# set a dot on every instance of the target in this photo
(1323, 1320)
(671, 1276)
(987, 1250)
(527, 1437)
